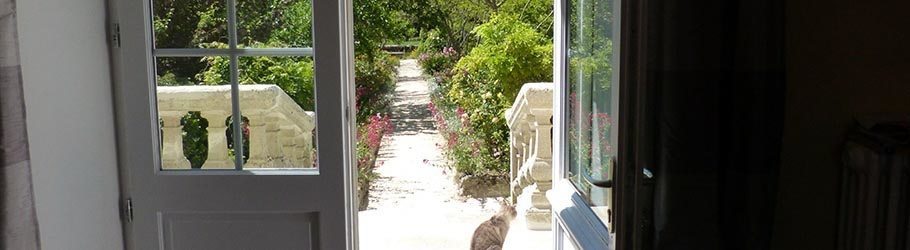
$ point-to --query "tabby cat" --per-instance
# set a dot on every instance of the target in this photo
(491, 234)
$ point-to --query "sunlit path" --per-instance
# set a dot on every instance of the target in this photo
(414, 204)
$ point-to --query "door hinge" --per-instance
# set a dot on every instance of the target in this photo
(115, 35)
(128, 210)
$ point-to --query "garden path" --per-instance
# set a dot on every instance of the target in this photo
(414, 204)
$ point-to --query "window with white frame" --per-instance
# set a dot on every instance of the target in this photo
(234, 84)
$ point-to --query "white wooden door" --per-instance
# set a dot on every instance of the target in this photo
(221, 159)
(587, 122)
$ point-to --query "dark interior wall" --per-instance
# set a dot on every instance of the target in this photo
(844, 58)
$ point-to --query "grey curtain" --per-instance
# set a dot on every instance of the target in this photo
(18, 223)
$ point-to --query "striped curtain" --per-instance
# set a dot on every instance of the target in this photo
(18, 224)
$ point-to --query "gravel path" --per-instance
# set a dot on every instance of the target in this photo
(414, 204)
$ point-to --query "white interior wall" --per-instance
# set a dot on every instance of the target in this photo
(66, 73)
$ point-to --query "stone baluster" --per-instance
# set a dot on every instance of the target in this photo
(301, 152)
(258, 143)
(525, 141)
(288, 148)
(514, 163)
(530, 126)
(308, 151)
(521, 155)
(172, 143)
(218, 157)
(272, 145)
(540, 173)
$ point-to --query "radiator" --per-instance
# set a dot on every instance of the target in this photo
(875, 188)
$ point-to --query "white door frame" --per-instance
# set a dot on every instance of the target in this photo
(328, 192)
(573, 219)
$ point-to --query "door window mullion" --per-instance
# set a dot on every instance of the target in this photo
(236, 118)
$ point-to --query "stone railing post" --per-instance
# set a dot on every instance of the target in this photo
(172, 143)
(301, 157)
(218, 156)
(273, 145)
(515, 159)
(258, 147)
(308, 154)
(529, 121)
(288, 148)
(541, 171)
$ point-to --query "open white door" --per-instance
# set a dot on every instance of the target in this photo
(586, 122)
(187, 183)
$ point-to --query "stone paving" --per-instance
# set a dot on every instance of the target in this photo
(414, 204)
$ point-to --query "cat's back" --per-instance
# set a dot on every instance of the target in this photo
(489, 235)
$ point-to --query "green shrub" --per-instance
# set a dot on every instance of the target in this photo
(485, 83)
(438, 62)
(510, 54)
(195, 148)
(294, 75)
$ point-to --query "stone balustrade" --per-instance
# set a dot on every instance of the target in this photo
(530, 121)
(280, 131)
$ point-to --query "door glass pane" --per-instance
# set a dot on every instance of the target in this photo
(189, 23)
(192, 107)
(278, 107)
(593, 98)
(274, 23)
(275, 88)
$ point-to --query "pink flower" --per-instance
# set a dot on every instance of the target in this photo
(449, 51)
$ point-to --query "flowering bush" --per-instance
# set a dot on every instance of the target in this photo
(470, 104)
(374, 82)
(438, 62)
(369, 138)
(471, 155)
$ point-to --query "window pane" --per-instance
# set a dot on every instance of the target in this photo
(278, 106)
(274, 23)
(189, 23)
(593, 98)
(193, 103)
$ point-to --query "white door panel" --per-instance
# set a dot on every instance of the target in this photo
(225, 207)
(586, 121)
(239, 230)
